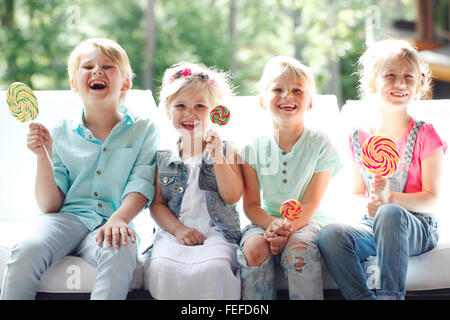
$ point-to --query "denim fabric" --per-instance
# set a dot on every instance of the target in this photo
(393, 236)
(173, 175)
(57, 235)
(258, 283)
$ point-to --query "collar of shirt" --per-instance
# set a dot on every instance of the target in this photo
(127, 121)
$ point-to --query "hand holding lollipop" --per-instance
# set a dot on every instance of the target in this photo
(23, 105)
(380, 155)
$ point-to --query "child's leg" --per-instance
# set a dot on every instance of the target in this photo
(343, 247)
(54, 237)
(399, 235)
(115, 267)
(257, 267)
(301, 261)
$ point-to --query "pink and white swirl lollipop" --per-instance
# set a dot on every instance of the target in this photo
(291, 210)
(380, 155)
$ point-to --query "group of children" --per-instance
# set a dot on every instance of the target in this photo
(108, 166)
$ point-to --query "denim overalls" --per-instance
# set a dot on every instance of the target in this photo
(394, 235)
(173, 175)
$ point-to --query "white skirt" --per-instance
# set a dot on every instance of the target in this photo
(208, 271)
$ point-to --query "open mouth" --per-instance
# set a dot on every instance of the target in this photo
(97, 84)
(189, 125)
(399, 94)
(287, 107)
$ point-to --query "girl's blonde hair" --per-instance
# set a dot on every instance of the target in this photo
(281, 65)
(194, 76)
(111, 49)
(380, 52)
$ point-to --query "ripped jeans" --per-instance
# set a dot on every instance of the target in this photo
(304, 281)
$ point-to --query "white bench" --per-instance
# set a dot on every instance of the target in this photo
(73, 275)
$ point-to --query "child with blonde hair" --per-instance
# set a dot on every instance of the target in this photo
(398, 221)
(198, 184)
(102, 176)
(294, 162)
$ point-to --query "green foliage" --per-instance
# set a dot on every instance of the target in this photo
(36, 37)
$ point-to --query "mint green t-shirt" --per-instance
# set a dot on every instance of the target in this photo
(283, 176)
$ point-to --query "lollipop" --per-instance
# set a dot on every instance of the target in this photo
(380, 155)
(23, 105)
(220, 115)
(22, 102)
(291, 210)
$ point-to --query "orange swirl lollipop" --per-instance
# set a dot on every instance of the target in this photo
(380, 155)
(291, 210)
(220, 115)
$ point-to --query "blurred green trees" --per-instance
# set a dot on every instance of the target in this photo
(37, 36)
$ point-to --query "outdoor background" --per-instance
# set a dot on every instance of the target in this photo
(236, 35)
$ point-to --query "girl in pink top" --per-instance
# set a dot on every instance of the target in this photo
(398, 222)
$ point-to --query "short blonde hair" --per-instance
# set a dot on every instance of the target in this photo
(111, 49)
(383, 51)
(280, 65)
(194, 76)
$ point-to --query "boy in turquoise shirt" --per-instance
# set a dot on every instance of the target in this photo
(102, 177)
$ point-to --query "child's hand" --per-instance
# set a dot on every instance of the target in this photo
(37, 137)
(372, 206)
(188, 236)
(214, 146)
(113, 231)
(277, 244)
(380, 188)
(278, 228)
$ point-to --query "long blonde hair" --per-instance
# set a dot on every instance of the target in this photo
(384, 50)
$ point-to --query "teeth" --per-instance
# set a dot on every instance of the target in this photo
(399, 94)
(97, 82)
(287, 106)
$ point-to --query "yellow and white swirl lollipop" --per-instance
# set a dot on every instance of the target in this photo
(22, 102)
(23, 105)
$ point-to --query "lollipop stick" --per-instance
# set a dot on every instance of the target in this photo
(48, 156)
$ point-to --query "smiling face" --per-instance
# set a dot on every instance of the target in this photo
(286, 99)
(189, 112)
(396, 82)
(98, 80)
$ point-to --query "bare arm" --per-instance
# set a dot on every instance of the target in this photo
(228, 171)
(252, 199)
(48, 196)
(167, 221)
(116, 227)
(422, 201)
(312, 197)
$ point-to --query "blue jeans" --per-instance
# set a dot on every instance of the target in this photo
(393, 236)
(57, 235)
(258, 283)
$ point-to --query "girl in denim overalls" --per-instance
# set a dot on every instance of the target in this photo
(398, 222)
(290, 162)
(198, 183)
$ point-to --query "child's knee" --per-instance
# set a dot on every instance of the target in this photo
(122, 256)
(256, 250)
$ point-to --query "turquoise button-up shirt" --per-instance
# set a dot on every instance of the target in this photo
(95, 176)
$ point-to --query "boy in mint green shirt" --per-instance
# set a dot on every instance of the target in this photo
(293, 163)
(101, 176)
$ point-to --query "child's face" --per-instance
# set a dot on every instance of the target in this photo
(286, 99)
(189, 112)
(98, 79)
(397, 82)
